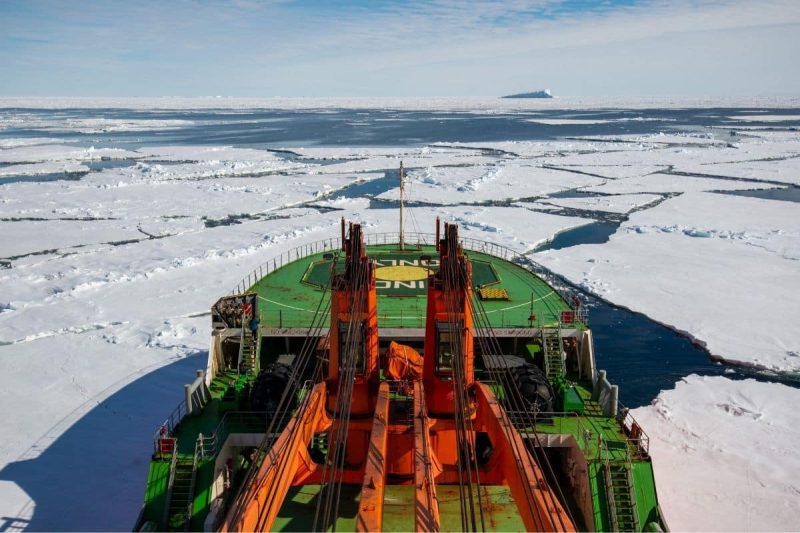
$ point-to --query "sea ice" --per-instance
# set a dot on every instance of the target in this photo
(730, 291)
(61, 152)
(672, 183)
(620, 203)
(49, 167)
(725, 454)
(501, 182)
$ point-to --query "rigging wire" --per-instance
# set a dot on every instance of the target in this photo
(357, 282)
(455, 291)
(491, 345)
(410, 191)
(283, 412)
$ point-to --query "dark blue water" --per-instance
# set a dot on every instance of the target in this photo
(642, 356)
(379, 127)
(786, 194)
(594, 233)
(371, 188)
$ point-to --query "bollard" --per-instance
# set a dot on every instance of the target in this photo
(598, 384)
(187, 390)
(613, 402)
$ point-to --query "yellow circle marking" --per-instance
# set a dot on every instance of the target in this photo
(401, 273)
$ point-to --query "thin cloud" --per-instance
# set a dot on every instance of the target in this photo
(282, 47)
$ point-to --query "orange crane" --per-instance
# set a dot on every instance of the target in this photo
(437, 446)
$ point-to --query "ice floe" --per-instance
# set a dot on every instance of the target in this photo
(61, 152)
(500, 182)
(621, 203)
(725, 454)
(49, 167)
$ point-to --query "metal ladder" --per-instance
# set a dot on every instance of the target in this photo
(553, 362)
(247, 350)
(621, 497)
(181, 496)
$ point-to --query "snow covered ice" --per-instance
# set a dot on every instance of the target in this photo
(115, 243)
(725, 454)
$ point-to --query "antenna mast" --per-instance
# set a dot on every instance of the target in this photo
(402, 179)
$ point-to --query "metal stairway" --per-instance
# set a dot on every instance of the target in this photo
(621, 497)
(554, 363)
(181, 496)
(247, 351)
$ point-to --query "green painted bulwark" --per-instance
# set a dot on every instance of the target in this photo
(646, 498)
(155, 494)
(600, 505)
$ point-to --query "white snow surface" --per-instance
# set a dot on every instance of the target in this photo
(720, 268)
(672, 183)
(725, 454)
(206, 153)
(766, 118)
(498, 182)
(49, 167)
(61, 152)
(88, 125)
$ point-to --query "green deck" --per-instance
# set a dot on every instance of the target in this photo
(500, 510)
(289, 296)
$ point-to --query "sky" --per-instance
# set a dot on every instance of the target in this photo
(382, 48)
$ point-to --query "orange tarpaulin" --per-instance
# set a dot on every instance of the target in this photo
(403, 363)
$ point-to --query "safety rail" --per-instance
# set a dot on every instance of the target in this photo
(250, 421)
(333, 244)
(165, 432)
(638, 438)
(290, 256)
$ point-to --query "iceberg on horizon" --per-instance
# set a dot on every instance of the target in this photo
(535, 94)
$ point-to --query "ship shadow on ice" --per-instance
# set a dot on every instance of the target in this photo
(92, 476)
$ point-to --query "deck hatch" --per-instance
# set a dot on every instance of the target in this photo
(493, 293)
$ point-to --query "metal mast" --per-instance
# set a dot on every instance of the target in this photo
(402, 237)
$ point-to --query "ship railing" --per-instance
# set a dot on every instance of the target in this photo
(165, 433)
(639, 440)
(232, 422)
(302, 251)
(334, 244)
